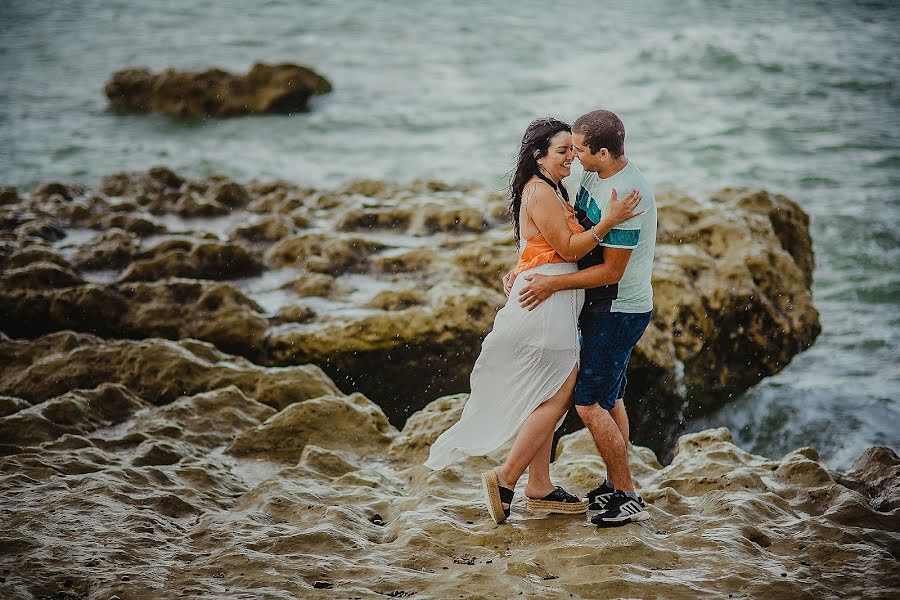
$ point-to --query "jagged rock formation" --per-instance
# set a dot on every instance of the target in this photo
(159, 370)
(284, 88)
(390, 289)
(116, 483)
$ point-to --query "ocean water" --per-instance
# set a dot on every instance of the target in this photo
(797, 97)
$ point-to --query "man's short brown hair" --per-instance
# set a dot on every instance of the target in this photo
(602, 129)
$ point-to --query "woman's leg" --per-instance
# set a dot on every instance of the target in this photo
(536, 434)
(539, 484)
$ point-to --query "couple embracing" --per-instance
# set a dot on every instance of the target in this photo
(579, 300)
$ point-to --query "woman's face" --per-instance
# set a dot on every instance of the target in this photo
(558, 162)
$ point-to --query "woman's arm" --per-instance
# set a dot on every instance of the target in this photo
(550, 218)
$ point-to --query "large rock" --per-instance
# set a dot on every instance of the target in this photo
(425, 426)
(352, 423)
(284, 88)
(175, 309)
(158, 370)
(31, 255)
(197, 260)
(401, 356)
(876, 474)
(111, 249)
(732, 305)
(40, 275)
(323, 253)
(162, 191)
(735, 304)
(75, 412)
(147, 477)
(326, 491)
(390, 288)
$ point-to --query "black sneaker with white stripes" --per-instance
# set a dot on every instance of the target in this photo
(598, 497)
(621, 509)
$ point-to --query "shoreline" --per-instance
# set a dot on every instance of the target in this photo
(165, 433)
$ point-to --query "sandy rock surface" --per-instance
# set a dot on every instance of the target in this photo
(124, 487)
(391, 288)
(284, 88)
(158, 370)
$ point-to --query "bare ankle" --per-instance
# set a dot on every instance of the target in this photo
(504, 479)
(623, 484)
(538, 490)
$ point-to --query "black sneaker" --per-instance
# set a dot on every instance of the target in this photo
(598, 497)
(621, 509)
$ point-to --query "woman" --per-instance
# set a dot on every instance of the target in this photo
(523, 381)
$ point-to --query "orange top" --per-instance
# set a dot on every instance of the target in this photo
(538, 250)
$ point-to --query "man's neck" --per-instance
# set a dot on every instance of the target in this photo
(607, 171)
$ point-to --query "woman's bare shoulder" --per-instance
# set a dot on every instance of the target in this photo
(538, 190)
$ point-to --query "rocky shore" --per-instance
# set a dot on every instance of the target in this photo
(156, 468)
(175, 362)
(284, 88)
(390, 289)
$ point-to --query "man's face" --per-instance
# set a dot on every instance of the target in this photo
(589, 160)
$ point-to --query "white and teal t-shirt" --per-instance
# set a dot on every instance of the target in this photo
(634, 293)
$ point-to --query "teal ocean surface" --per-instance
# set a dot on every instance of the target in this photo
(797, 97)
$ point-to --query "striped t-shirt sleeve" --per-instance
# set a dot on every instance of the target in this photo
(625, 235)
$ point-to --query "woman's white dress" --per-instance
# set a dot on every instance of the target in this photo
(524, 361)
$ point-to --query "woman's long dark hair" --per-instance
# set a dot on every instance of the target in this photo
(535, 145)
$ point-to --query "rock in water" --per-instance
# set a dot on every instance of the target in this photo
(283, 88)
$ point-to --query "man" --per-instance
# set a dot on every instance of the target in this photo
(618, 304)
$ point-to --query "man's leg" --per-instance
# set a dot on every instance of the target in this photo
(620, 416)
(610, 443)
(601, 383)
(600, 404)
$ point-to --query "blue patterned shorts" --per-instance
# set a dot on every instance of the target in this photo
(607, 341)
